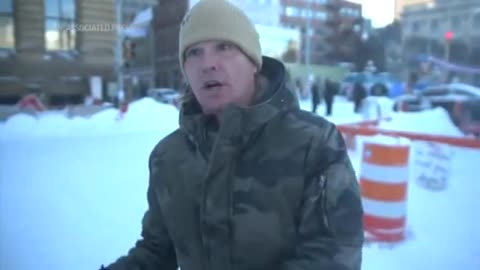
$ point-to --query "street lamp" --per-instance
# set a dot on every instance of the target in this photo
(448, 41)
(119, 52)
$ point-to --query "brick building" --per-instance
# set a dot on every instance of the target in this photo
(43, 50)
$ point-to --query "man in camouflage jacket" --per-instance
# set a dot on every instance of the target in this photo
(245, 186)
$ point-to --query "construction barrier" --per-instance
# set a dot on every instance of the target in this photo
(369, 130)
(351, 138)
(384, 174)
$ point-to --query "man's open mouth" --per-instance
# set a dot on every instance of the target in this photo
(212, 84)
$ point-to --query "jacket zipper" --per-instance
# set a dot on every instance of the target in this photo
(231, 179)
(209, 161)
(323, 197)
(205, 252)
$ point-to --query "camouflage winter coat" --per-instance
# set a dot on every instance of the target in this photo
(272, 188)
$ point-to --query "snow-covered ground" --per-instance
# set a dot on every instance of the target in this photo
(72, 191)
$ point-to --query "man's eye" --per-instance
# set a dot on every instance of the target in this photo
(193, 52)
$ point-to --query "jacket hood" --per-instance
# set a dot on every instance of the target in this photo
(273, 96)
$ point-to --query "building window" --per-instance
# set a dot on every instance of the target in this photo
(476, 20)
(7, 36)
(292, 11)
(434, 25)
(350, 12)
(357, 28)
(456, 22)
(415, 27)
(321, 15)
(305, 13)
(59, 25)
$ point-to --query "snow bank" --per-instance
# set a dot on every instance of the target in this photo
(147, 114)
(374, 108)
(19, 124)
(143, 115)
(434, 122)
(52, 124)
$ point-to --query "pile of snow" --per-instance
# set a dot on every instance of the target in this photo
(374, 107)
(434, 122)
(143, 115)
(84, 197)
(18, 123)
(147, 114)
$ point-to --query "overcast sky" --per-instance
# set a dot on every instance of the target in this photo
(381, 12)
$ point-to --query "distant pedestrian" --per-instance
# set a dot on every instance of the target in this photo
(315, 96)
(359, 94)
(329, 95)
(299, 88)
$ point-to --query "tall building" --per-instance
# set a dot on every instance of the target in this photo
(326, 19)
(169, 15)
(51, 46)
(401, 4)
(139, 47)
(431, 23)
(56, 46)
(448, 30)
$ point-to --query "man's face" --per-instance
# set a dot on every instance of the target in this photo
(219, 74)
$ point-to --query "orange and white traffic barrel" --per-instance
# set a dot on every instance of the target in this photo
(384, 177)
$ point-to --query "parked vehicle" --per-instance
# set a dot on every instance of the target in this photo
(470, 117)
(461, 101)
(165, 95)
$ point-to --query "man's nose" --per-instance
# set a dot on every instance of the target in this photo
(209, 61)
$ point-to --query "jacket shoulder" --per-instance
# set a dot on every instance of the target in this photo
(315, 125)
(326, 144)
(166, 145)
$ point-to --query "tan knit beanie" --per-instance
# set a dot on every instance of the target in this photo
(220, 20)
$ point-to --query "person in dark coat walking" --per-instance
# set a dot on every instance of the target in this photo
(359, 94)
(299, 88)
(315, 95)
(329, 95)
(248, 181)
